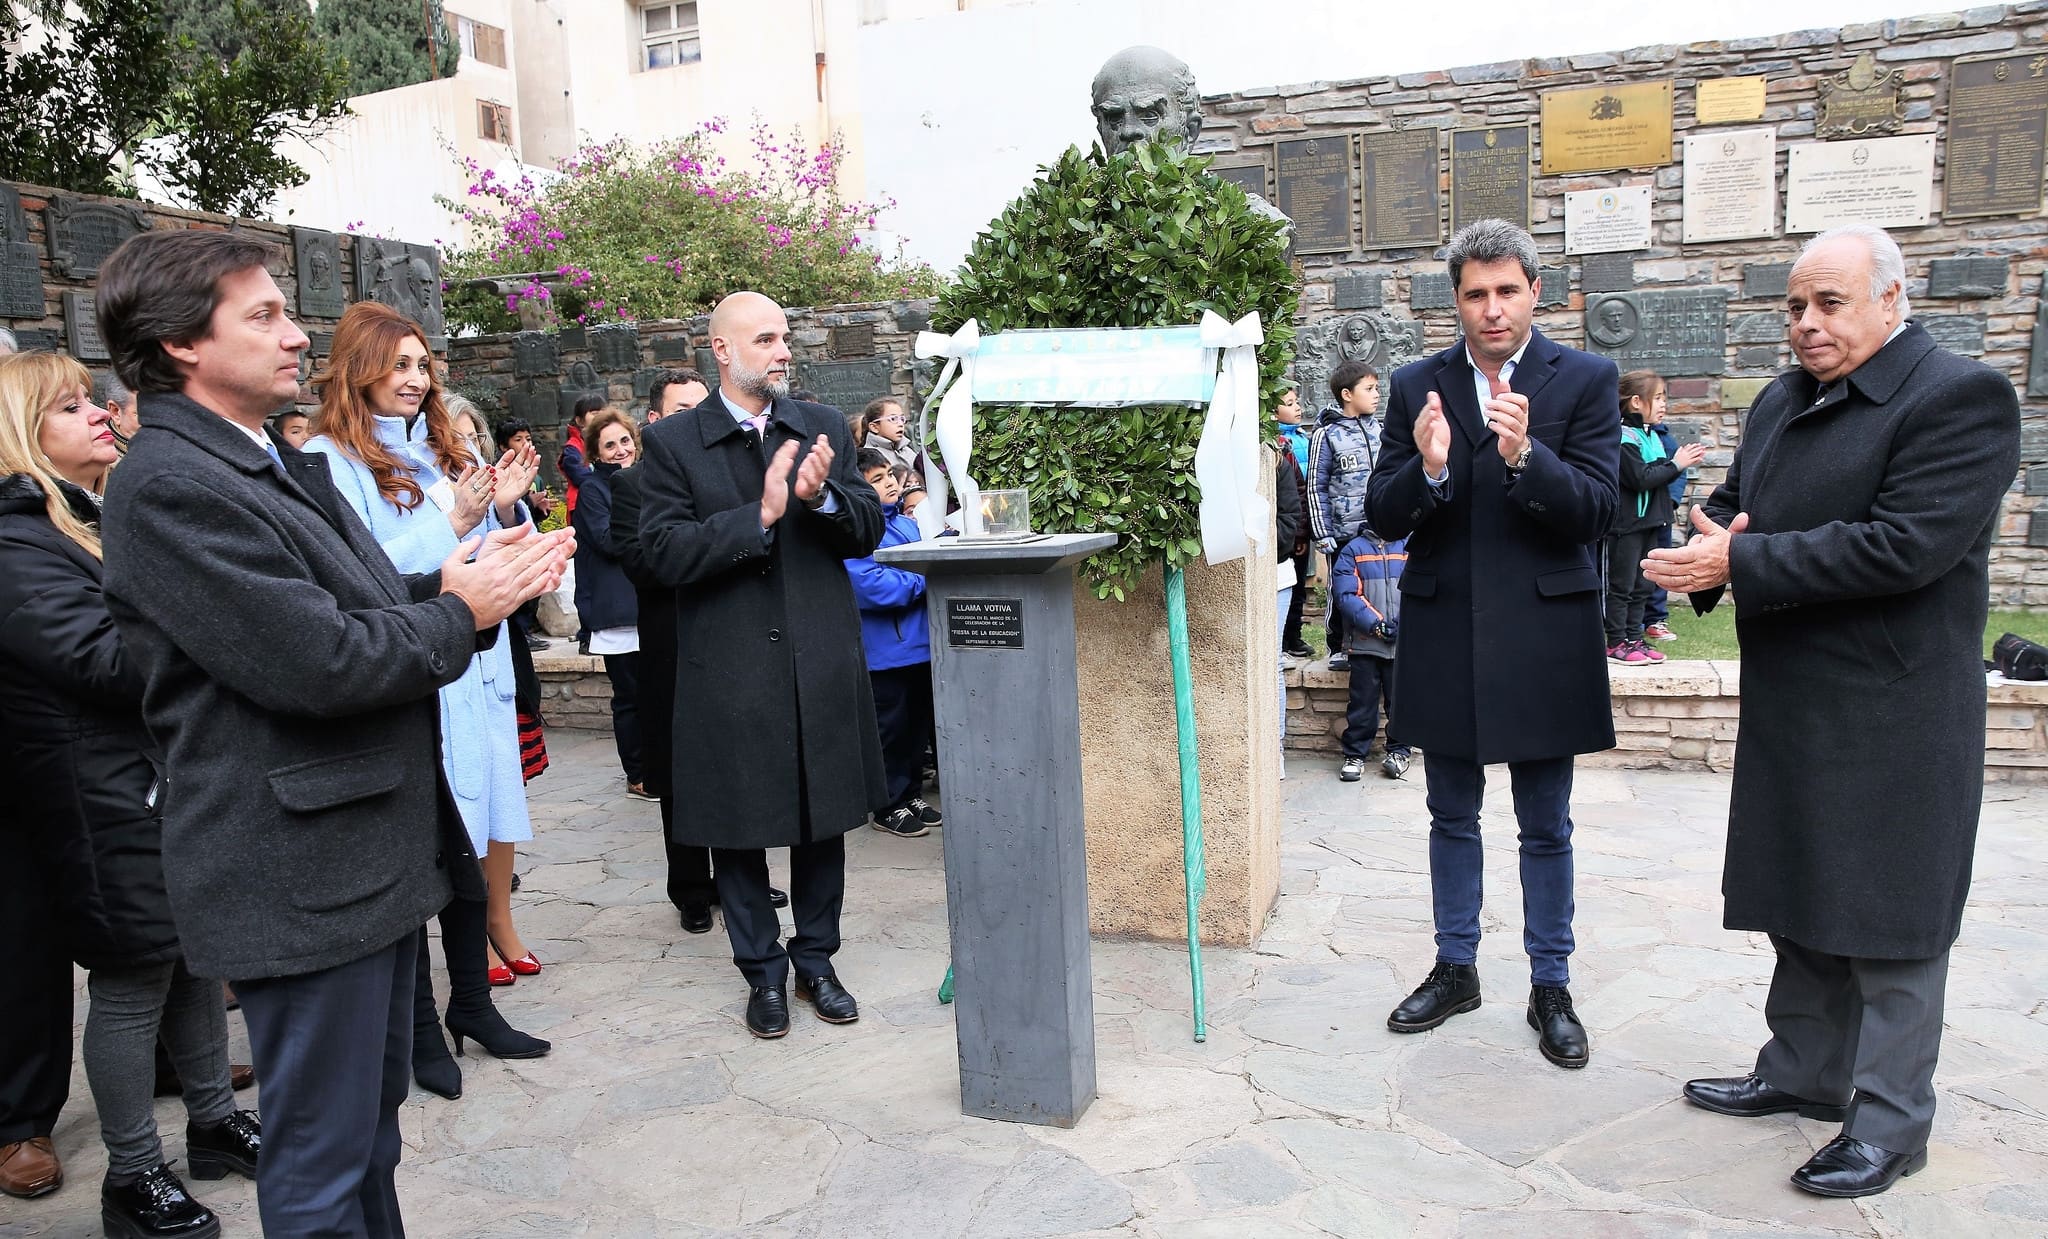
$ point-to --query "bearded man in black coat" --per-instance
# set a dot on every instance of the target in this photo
(750, 506)
(1855, 530)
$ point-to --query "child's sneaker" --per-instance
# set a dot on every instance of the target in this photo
(1628, 653)
(1649, 652)
(902, 823)
(1339, 661)
(924, 811)
(1659, 632)
(1395, 764)
(1352, 770)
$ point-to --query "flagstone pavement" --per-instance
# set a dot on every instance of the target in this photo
(1301, 1115)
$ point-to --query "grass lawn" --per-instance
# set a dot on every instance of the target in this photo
(1713, 635)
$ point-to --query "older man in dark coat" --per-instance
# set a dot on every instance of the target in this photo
(291, 673)
(750, 506)
(1498, 465)
(1855, 530)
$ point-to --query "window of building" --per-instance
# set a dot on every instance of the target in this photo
(494, 122)
(480, 42)
(668, 35)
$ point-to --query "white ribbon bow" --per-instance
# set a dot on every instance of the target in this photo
(1234, 517)
(955, 429)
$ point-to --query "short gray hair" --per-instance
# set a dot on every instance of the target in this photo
(459, 405)
(108, 390)
(1491, 240)
(1887, 263)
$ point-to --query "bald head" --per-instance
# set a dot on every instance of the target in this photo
(750, 339)
(1144, 93)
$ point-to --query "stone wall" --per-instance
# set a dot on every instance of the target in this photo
(1239, 126)
(1685, 715)
(86, 227)
(847, 354)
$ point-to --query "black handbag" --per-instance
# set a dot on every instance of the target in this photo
(2017, 658)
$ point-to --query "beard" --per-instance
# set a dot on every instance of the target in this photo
(756, 382)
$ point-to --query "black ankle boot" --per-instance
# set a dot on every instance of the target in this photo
(153, 1205)
(433, 1068)
(234, 1143)
(486, 1027)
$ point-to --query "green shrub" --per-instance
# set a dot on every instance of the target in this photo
(1146, 239)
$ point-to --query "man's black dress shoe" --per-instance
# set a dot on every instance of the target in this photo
(828, 998)
(696, 918)
(777, 898)
(155, 1204)
(1559, 1034)
(1748, 1097)
(235, 1143)
(1846, 1167)
(767, 1012)
(1448, 990)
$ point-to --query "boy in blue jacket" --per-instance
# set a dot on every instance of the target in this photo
(899, 652)
(1365, 588)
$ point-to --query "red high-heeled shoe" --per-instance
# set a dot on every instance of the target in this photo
(526, 965)
(499, 975)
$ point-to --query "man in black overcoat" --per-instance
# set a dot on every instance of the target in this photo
(750, 506)
(1855, 530)
(291, 678)
(1498, 465)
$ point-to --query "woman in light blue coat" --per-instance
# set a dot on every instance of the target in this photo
(421, 489)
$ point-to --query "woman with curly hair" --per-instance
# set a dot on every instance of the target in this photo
(398, 461)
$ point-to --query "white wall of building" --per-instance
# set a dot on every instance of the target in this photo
(961, 108)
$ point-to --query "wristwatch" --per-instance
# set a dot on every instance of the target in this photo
(1521, 461)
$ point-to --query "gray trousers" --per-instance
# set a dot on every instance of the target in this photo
(130, 1008)
(1860, 1032)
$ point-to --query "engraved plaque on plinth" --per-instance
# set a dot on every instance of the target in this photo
(1885, 182)
(1402, 198)
(82, 235)
(1596, 128)
(1680, 331)
(1490, 175)
(1958, 333)
(82, 327)
(615, 347)
(1731, 185)
(847, 385)
(1997, 135)
(1765, 281)
(1860, 101)
(1358, 291)
(1431, 290)
(1968, 277)
(1607, 273)
(1313, 177)
(21, 269)
(1250, 177)
(316, 261)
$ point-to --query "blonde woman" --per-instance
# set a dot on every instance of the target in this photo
(84, 775)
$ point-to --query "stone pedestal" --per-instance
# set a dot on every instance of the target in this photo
(1130, 752)
(1009, 748)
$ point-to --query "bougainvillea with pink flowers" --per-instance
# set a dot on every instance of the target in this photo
(630, 231)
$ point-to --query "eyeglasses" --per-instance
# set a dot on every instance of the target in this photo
(898, 418)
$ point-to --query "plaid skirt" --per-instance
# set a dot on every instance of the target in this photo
(533, 746)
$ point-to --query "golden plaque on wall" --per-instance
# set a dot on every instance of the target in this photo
(1598, 128)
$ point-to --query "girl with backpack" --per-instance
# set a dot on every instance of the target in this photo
(1646, 477)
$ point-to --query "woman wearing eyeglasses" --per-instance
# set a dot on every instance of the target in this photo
(422, 489)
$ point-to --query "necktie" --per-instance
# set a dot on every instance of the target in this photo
(758, 423)
(1498, 385)
(276, 461)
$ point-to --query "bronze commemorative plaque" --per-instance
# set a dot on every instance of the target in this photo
(1403, 196)
(1997, 134)
(1490, 175)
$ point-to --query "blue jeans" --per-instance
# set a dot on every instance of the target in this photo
(1457, 861)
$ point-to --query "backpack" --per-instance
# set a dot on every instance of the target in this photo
(1652, 449)
(2017, 658)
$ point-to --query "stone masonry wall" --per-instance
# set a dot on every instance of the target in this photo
(1509, 92)
(849, 354)
(1685, 715)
